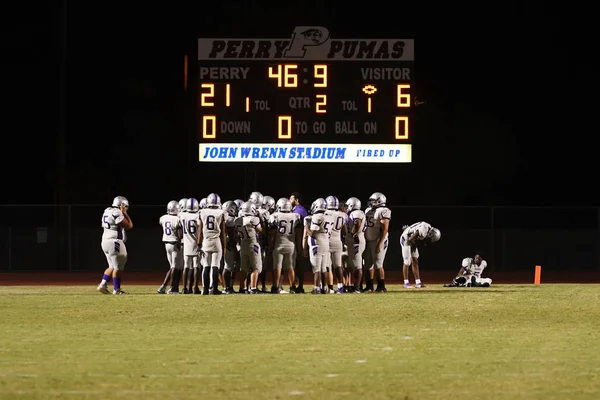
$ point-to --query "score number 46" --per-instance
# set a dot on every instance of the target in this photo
(287, 76)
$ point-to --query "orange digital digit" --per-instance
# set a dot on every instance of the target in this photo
(227, 95)
(209, 126)
(321, 103)
(403, 98)
(401, 128)
(320, 75)
(291, 79)
(247, 104)
(284, 132)
(206, 97)
(276, 75)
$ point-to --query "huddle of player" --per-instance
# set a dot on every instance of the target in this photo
(208, 242)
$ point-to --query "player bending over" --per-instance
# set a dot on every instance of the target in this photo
(419, 233)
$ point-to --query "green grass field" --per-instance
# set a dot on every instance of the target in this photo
(503, 342)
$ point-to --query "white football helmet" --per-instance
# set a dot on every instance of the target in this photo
(283, 205)
(332, 203)
(435, 235)
(213, 201)
(203, 203)
(231, 208)
(238, 202)
(268, 203)
(173, 207)
(352, 204)
(119, 201)
(182, 204)
(257, 198)
(248, 209)
(318, 205)
(192, 205)
(377, 199)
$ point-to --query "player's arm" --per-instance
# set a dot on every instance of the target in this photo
(305, 235)
(223, 236)
(200, 232)
(126, 223)
(356, 227)
(385, 226)
(298, 236)
(344, 229)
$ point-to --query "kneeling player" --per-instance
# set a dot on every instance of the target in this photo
(469, 274)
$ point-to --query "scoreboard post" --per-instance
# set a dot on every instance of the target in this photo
(305, 98)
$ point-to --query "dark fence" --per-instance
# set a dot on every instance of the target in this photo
(67, 238)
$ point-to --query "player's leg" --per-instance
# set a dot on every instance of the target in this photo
(277, 266)
(187, 270)
(300, 264)
(215, 263)
(415, 268)
(176, 270)
(107, 247)
(197, 274)
(289, 266)
(244, 272)
(206, 275)
(379, 261)
(163, 287)
(228, 270)
(120, 252)
(336, 264)
(406, 263)
(483, 282)
(256, 267)
(315, 262)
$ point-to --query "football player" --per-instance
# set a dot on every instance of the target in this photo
(285, 237)
(172, 240)
(213, 239)
(115, 220)
(182, 204)
(258, 199)
(248, 228)
(355, 240)
(231, 258)
(316, 242)
(419, 233)
(336, 246)
(190, 221)
(301, 259)
(377, 218)
(470, 272)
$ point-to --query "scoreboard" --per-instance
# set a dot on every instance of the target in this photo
(305, 98)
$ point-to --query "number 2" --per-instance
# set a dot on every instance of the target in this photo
(206, 98)
(104, 220)
(320, 104)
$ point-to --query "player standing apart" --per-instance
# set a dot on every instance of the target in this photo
(172, 240)
(115, 220)
(213, 239)
(355, 240)
(285, 236)
(336, 246)
(189, 220)
(419, 233)
(377, 218)
(248, 228)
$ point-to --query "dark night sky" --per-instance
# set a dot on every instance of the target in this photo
(509, 118)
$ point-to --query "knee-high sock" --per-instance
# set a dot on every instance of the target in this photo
(206, 278)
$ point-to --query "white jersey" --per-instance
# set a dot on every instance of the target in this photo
(189, 226)
(111, 218)
(473, 269)
(374, 217)
(320, 225)
(212, 218)
(423, 228)
(246, 227)
(285, 223)
(356, 215)
(171, 227)
(339, 219)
